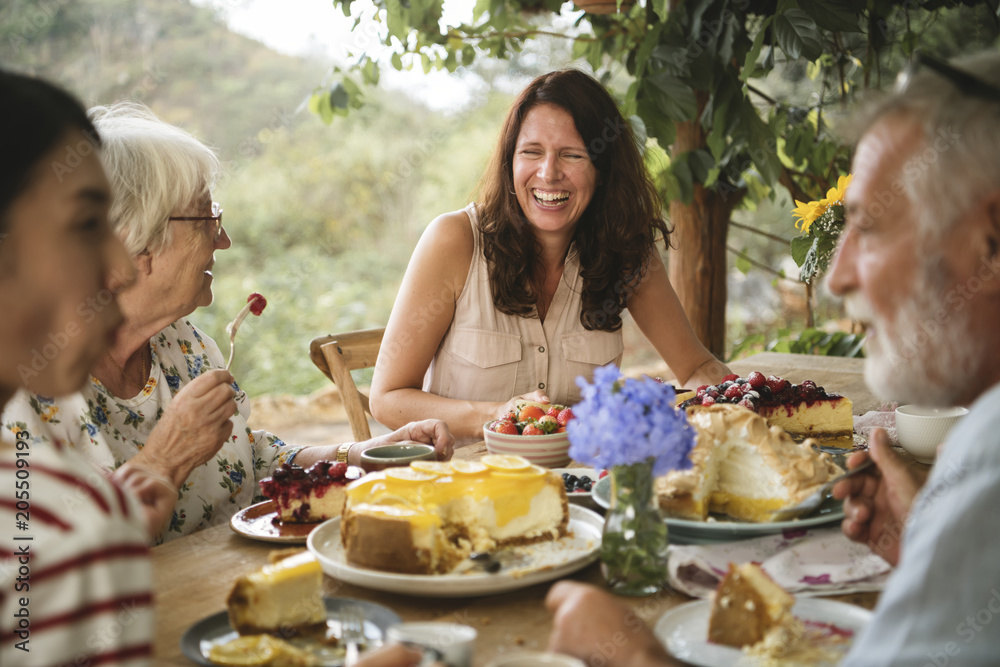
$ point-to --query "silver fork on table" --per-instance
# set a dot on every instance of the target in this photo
(352, 624)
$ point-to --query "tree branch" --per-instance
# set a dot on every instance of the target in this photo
(761, 265)
(748, 228)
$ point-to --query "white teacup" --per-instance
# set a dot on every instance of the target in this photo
(535, 659)
(920, 430)
(453, 642)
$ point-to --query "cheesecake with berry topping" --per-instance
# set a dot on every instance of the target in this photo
(742, 467)
(428, 517)
(308, 495)
(800, 409)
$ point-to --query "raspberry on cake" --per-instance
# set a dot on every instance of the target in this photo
(427, 519)
(743, 467)
(800, 409)
(308, 495)
(283, 599)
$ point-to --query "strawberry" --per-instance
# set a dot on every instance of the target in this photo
(776, 384)
(732, 377)
(548, 423)
(532, 429)
(564, 416)
(554, 411)
(529, 412)
(257, 303)
(734, 392)
(504, 426)
(337, 470)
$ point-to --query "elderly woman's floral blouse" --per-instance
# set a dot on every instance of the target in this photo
(110, 430)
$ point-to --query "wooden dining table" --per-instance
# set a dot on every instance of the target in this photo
(192, 575)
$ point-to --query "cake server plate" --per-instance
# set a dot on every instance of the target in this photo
(200, 637)
(723, 529)
(537, 563)
(683, 630)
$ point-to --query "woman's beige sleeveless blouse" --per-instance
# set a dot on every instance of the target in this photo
(489, 356)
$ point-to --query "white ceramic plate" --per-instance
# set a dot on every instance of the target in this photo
(684, 630)
(526, 566)
(724, 529)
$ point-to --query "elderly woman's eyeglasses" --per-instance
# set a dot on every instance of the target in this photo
(965, 82)
(216, 217)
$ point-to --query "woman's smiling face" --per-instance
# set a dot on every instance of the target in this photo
(554, 178)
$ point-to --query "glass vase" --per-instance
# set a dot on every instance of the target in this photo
(634, 543)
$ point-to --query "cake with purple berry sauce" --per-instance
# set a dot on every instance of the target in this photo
(308, 495)
(800, 409)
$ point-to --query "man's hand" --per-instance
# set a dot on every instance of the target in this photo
(429, 431)
(876, 506)
(193, 427)
(588, 622)
(393, 655)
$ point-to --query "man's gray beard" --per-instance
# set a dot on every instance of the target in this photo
(922, 361)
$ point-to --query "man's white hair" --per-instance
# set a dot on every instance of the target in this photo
(959, 162)
(155, 168)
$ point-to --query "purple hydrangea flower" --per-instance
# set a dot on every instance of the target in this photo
(621, 421)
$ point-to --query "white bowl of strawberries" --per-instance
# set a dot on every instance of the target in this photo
(536, 431)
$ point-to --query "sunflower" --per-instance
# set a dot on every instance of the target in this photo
(808, 212)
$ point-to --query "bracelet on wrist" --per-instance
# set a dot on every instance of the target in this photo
(343, 451)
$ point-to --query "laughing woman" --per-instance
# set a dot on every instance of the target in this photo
(161, 398)
(516, 295)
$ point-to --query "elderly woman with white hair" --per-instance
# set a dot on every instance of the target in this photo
(161, 398)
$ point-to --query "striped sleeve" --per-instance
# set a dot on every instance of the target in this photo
(75, 577)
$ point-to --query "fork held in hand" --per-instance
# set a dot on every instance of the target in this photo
(813, 500)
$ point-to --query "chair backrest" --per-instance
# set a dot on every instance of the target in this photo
(339, 354)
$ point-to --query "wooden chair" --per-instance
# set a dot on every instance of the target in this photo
(339, 354)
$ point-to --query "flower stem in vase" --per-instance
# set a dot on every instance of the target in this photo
(634, 543)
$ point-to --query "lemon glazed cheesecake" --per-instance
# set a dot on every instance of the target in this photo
(428, 517)
(743, 467)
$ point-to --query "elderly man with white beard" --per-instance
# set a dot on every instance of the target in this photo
(919, 263)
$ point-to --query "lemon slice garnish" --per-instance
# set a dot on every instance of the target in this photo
(409, 475)
(247, 650)
(525, 473)
(433, 467)
(469, 467)
(506, 462)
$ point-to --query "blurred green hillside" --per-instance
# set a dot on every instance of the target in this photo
(323, 218)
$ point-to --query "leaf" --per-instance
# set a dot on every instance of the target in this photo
(657, 126)
(798, 35)
(685, 179)
(800, 247)
(662, 9)
(750, 64)
(674, 97)
(701, 163)
(338, 96)
(397, 62)
(645, 49)
(742, 263)
(832, 15)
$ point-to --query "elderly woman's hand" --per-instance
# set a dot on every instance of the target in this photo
(430, 431)
(193, 427)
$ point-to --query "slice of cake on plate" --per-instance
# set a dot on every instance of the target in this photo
(743, 467)
(800, 409)
(308, 495)
(282, 599)
(427, 518)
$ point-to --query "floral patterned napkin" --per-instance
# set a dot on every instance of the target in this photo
(883, 417)
(804, 562)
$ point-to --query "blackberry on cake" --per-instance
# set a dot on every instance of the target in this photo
(800, 409)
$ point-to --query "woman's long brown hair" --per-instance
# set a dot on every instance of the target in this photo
(617, 233)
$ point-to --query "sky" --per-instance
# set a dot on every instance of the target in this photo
(316, 27)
